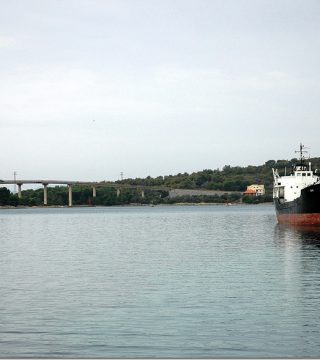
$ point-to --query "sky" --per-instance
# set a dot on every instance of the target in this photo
(93, 88)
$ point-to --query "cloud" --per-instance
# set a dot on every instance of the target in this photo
(62, 96)
(217, 79)
(6, 41)
(65, 95)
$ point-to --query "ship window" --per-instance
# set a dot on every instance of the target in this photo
(309, 174)
(281, 193)
(298, 174)
(303, 174)
(297, 187)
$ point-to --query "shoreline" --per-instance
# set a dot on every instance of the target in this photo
(9, 207)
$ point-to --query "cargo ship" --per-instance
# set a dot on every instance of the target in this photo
(297, 196)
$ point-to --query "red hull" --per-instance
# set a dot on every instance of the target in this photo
(299, 219)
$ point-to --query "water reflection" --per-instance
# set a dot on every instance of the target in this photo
(299, 249)
(297, 236)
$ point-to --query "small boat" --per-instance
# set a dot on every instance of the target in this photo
(297, 196)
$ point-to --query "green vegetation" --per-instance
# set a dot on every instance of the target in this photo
(228, 179)
(7, 198)
(81, 195)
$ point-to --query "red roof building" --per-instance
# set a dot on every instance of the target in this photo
(250, 192)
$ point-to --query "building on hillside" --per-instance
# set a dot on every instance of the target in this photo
(255, 190)
(250, 192)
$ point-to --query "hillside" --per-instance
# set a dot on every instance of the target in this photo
(227, 179)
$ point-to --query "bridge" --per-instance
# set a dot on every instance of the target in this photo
(118, 187)
(71, 183)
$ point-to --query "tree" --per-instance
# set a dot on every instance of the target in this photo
(4, 196)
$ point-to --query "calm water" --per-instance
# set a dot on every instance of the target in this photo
(189, 281)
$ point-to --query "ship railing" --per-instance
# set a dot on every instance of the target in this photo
(275, 174)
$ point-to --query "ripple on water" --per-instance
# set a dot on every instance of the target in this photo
(187, 281)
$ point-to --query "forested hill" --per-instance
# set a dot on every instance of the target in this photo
(230, 178)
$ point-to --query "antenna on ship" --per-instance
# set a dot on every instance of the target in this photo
(302, 158)
(301, 151)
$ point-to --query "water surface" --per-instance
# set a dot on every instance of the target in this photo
(179, 281)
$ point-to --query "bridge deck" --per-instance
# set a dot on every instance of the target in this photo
(85, 183)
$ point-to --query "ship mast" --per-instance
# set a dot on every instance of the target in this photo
(301, 151)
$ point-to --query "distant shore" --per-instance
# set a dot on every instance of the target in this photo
(5, 207)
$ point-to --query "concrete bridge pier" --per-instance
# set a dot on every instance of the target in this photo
(118, 193)
(70, 195)
(19, 190)
(94, 191)
(45, 194)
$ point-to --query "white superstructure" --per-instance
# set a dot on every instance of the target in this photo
(288, 188)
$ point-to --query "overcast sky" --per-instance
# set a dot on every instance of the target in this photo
(93, 88)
